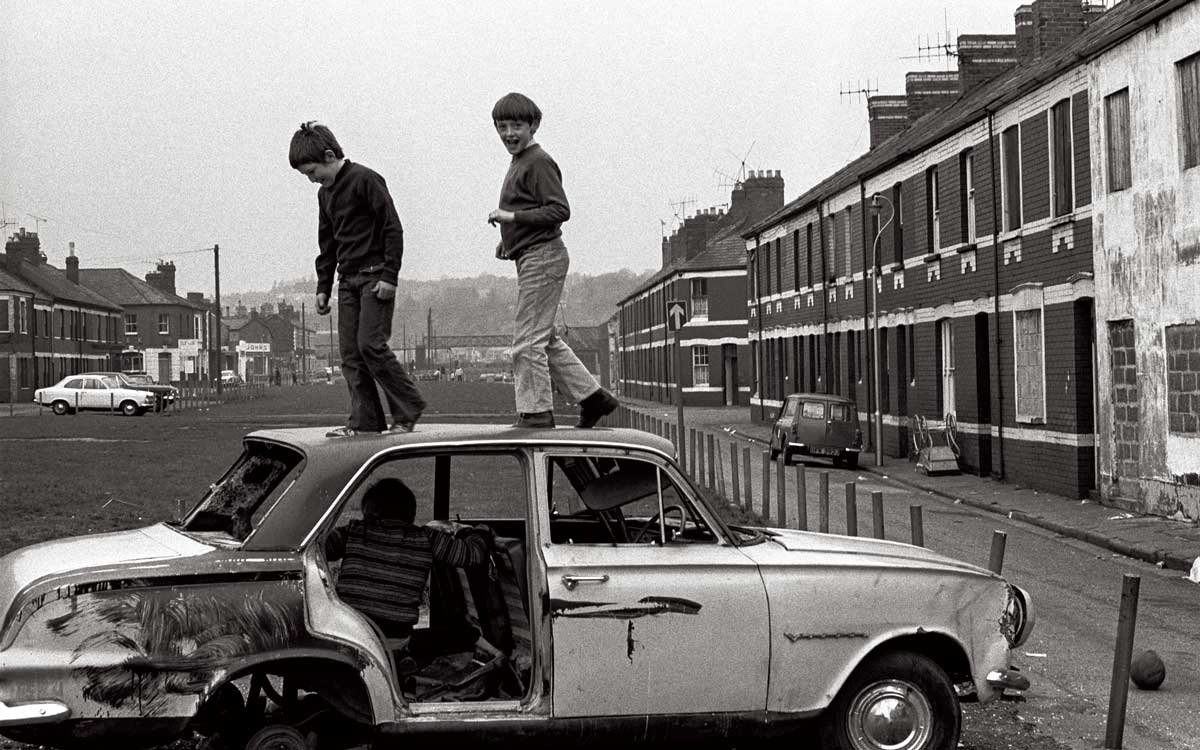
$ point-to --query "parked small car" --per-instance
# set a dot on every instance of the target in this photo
(817, 424)
(95, 393)
(165, 394)
(229, 378)
(617, 606)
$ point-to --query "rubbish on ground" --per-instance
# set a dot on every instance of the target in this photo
(1120, 517)
(1035, 655)
(1194, 575)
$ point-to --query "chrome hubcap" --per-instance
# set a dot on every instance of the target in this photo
(890, 715)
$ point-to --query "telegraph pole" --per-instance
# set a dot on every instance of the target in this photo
(217, 301)
(303, 344)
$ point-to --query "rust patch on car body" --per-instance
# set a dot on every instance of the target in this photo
(646, 606)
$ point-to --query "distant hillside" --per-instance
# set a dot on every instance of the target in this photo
(464, 306)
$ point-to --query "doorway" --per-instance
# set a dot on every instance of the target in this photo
(729, 373)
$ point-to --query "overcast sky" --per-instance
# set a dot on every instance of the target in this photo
(146, 131)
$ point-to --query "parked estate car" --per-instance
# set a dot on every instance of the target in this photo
(617, 606)
(817, 424)
(95, 392)
(141, 382)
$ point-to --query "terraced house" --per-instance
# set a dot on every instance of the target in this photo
(704, 268)
(975, 218)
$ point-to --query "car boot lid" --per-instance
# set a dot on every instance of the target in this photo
(46, 559)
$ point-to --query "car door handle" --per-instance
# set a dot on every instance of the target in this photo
(572, 581)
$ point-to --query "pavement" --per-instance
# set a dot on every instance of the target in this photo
(1169, 543)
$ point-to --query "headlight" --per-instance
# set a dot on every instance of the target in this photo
(1017, 622)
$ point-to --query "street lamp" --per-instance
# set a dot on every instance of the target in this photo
(875, 199)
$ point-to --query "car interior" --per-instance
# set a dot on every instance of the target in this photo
(473, 641)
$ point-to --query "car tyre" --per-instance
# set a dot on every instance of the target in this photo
(909, 689)
(130, 409)
(277, 737)
(784, 450)
(775, 442)
(60, 408)
(850, 460)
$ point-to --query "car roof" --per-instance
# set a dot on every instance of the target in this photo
(312, 440)
(822, 397)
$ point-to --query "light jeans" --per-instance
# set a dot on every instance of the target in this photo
(539, 355)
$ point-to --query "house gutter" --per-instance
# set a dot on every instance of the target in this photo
(998, 416)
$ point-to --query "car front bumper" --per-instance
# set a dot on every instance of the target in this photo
(38, 712)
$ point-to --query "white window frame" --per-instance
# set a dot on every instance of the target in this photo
(935, 210)
(700, 365)
(946, 336)
(969, 187)
(849, 255)
(1029, 300)
(699, 290)
(131, 324)
(22, 315)
(164, 324)
(1008, 224)
(1050, 141)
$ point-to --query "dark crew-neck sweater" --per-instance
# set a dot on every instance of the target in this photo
(359, 229)
(533, 191)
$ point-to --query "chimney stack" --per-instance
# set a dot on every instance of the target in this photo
(72, 264)
(163, 278)
(1047, 26)
(23, 246)
(888, 115)
(982, 57)
(929, 90)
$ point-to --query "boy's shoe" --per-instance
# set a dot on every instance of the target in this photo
(402, 426)
(344, 432)
(595, 407)
(535, 420)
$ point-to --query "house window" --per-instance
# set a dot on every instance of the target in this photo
(4, 303)
(699, 298)
(130, 324)
(1116, 140)
(164, 323)
(1062, 173)
(699, 365)
(967, 180)
(910, 352)
(933, 211)
(846, 235)
(22, 322)
(1031, 384)
(898, 224)
(830, 255)
(946, 344)
(779, 264)
(795, 259)
(1189, 109)
(808, 255)
(1010, 177)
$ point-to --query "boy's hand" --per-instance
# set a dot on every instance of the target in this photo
(383, 290)
(500, 216)
(322, 304)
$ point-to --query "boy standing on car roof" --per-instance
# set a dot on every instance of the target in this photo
(359, 235)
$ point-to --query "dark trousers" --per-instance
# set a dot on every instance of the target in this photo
(364, 327)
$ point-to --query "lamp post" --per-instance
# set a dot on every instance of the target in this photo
(875, 199)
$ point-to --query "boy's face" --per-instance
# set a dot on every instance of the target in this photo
(516, 135)
(321, 172)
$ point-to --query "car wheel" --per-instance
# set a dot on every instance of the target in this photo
(850, 460)
(775, 442)
(60, 407)
(130, 409)
(784, 450)
(277, 737)
(895, 701)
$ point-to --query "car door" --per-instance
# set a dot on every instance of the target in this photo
(95, 395)
(841, 426)
(643, 627)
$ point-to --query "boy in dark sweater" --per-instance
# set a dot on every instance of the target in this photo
(386, 558)
(533, 207)
(359, 235)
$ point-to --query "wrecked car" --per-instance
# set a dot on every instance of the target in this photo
(616, 605)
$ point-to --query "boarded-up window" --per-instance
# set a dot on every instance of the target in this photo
(1031, 397)
(1183, 378)
(898, 224)
(1010, 167)
(846, 236)
(4, 303)
(1062, 175)
(808, 254)
(831, 249)
(795, 259)
(1116, 137)
(1189, 109)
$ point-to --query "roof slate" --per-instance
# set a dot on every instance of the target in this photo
(57, 286)
(127, 290)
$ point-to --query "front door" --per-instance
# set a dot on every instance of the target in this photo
(650, 620)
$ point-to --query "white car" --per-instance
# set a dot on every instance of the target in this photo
(96, 393)
(616, 606)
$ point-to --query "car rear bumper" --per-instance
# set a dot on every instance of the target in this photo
(38, 712)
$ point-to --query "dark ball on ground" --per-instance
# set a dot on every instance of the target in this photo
(1147, 670)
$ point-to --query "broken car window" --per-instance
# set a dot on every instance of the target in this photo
(235, 504)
